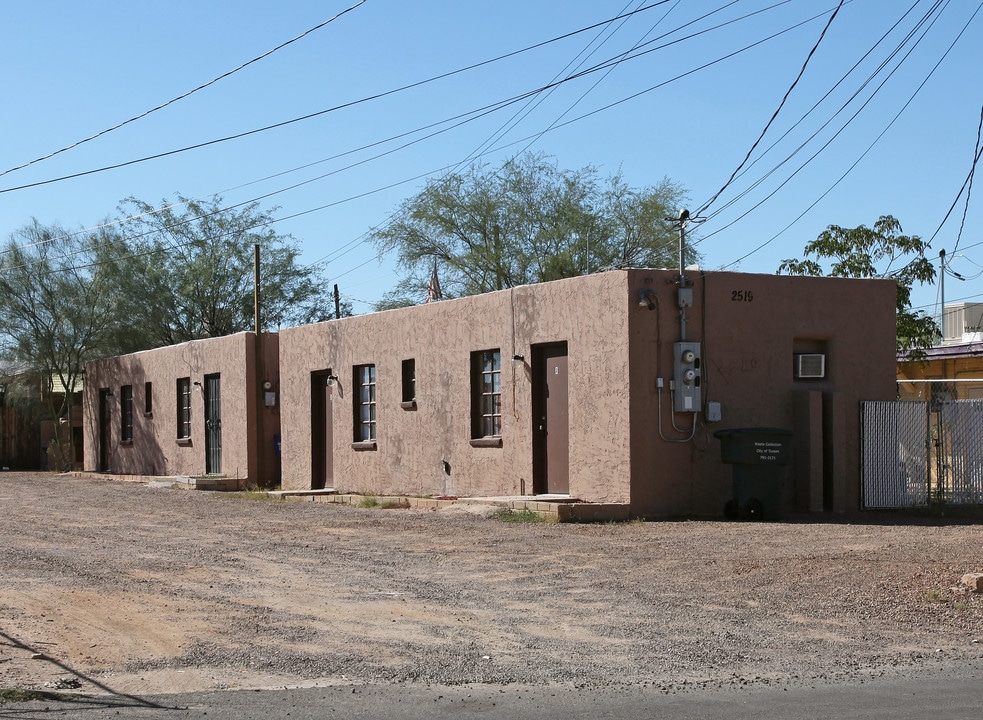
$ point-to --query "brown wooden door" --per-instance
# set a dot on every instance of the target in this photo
(551, 420)
(105, 437)
(322, 438)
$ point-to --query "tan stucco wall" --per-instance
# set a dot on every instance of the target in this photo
(155, 449)
(623, 446)
(748, 347)
(589, 314)
(750, 326)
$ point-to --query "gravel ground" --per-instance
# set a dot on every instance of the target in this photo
(131, 588)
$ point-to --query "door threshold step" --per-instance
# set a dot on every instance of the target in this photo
(300, 493)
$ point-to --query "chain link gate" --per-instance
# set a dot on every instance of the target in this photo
(957, 436)
(895, 450)
(917, 453)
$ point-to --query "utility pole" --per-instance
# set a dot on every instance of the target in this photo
(337, 303)
(943, 271)
(942, 291)
(684, 295)
(259, 388)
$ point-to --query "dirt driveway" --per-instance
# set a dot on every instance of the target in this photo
(136, 589)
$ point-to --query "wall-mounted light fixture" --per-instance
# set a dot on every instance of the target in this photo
(196, 383)
(647, 298)
(332, 379)
(518, 359)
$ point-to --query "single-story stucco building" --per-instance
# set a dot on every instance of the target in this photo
(606, 388)
(201, 408)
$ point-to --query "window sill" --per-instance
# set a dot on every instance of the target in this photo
(184, 442)
(486, 442)
(125, 443)
(364, 445)
(411, 405)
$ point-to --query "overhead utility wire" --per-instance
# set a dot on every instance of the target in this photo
(605, 75)
(855, 163)
(362, 238)
(935, 305)
(319, 113)
(816, 106)
(623, 16)
(969, 189)
(185, 95)
(472, 115)
(488, 109)
(521, 140)
(477, 152)
(526, 109)
(467, 117)
(968, 182)
(828, 142)
(815, 47)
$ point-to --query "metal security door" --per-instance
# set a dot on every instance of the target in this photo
(322, 438)
(213, 425)
(551, 423)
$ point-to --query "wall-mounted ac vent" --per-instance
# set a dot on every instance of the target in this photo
(810, 365)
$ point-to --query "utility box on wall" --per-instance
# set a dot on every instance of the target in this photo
(687, 377)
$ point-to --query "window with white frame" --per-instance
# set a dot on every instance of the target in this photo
(365, 405)
(184, 408)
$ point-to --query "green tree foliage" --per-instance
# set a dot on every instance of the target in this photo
(525, 222)
(58, 312)
(878, 252)
(186, 271)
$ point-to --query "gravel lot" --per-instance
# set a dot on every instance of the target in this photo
(131, 588)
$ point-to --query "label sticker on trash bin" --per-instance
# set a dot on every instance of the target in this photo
(768, 451)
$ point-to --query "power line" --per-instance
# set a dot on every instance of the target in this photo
(185, 95)
(969, 188)
(708, 203)
(484, 111)
(819, 102)
(319, 113)
(463, 118)
(859, 158)
(968, 182)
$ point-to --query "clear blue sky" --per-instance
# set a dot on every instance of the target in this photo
(73, 69)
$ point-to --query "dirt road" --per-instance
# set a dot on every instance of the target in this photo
(135, 589)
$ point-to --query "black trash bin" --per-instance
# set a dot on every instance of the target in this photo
(759, 456)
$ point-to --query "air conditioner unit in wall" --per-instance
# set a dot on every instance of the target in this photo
(810, 365)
